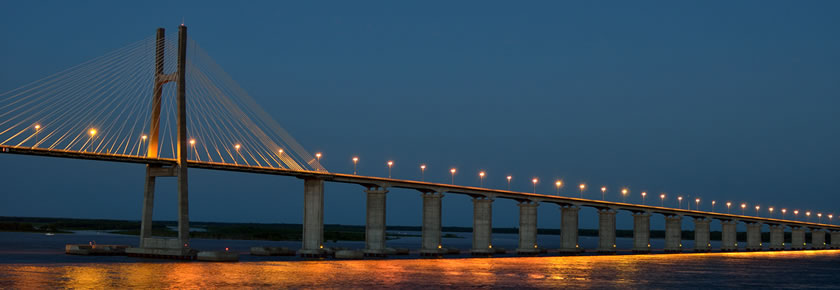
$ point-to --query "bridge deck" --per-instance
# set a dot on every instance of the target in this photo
(371, 181)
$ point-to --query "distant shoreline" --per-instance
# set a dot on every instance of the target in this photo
(269, 231)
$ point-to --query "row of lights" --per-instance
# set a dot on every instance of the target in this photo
(559, 184)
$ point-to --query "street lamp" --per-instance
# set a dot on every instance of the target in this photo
(830, 216)
(743, 208)
(582, 188)
(37, 129)
(558, 184)
(624, 192)
(713, 205)
(423, 172)
(390, 164)
(644, 194)
(771, 211)
(662, 199)
(453, 175)
(819, 217)
(192, 144)
(808, 215)
(92, 133)
(318, 157)
(784, 211)
(355, 161)
(728, 205)
(143, 142)
(535, 180)
(795, 214)
(481, 179)
(603, 192)
(756, 210)
(679, 202)
(508, 179)
(697, 202)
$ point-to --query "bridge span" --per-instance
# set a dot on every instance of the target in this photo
(432, 193)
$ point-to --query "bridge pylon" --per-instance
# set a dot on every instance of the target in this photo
(158, 247)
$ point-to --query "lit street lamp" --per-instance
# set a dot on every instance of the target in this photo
(819, 217)
(558, 184)
(390, 164)
(582, 188)
(662, 198)
(453, 175)
(784, 211)
(756, 210)
(713, 205)
(644, 194)
(603, 193)
(743, 208)
(624, 192)
(37, 129)
(535, 180)
(808, 215)
(508, 180)
(728, 206)
(697, 203)
(795, 214)
(679, 202)
(481, 179)
(355, 162)
(423, 172)
(771, 211)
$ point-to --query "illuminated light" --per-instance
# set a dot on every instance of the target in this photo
(92, 132)
(535, 180)
(355, 161)
(535, 246)
(37, 127)
(490, 246)
(280, 151)
(423, 172)
(603, 193)
(237, 146)
(227, 249)
(144, 137)
(582, 188)
(481, 174)
(322, 246)
(422, 166)
(390, 164)
(453, 174)
(439, 246)
(558, 183)
(192, 141)
(603, 189)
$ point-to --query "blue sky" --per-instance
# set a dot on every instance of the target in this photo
(725, 100)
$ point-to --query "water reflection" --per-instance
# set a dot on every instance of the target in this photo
(756, 269)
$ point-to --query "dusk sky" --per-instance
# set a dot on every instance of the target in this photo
(723, 100)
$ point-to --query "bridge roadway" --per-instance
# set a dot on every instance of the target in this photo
(377, 186)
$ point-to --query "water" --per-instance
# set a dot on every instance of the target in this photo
(30, 260)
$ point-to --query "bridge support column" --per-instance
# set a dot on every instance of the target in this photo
(606, 230)
(835, 239)
(818, 239)
(701, 234)
(777, 237)
(729, 235)
(641, 232)
(754, 237)
(313, 218)
(482, 226)
(797, 238)
(431, 243)
(148, 207)
(569, 229)
(375, 227)
(528, 228)
(673, 234)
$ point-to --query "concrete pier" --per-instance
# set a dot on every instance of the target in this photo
(797, 238)
(729, 235)
(641, 232)
(569, 229)
(606, 230)
(777, 237)
(818, 239)
(528, 228)
(375, 226)
(313, 218)
(431, 243)
(482, 226)
(835, 239)
(754, 237)
(673, 234)
(702, 234)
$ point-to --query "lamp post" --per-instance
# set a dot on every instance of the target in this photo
(771, 211)
(784, 211)
(453, 175)
(390, 164)
(192, 144)
(558, 184)
(481, 179)
(795, 214)
(92, 133)
(535, 180)
(624, 192)
(713, 206)
(603, 193)
(819, 217)
(422, 172)
(743, 208)
(644, 194)
(808, 215)
(728, 206)
(756, 210)
(37, 129)
(508, 180)
(697, 203)
(830, 216)
(679, 202)
(662, 199)
(318, 157)
(143, 143)
(582, 188)
(355, 162)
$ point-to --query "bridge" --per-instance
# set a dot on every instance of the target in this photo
(116, 107)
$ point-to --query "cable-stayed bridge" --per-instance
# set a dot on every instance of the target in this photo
(163, 102)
